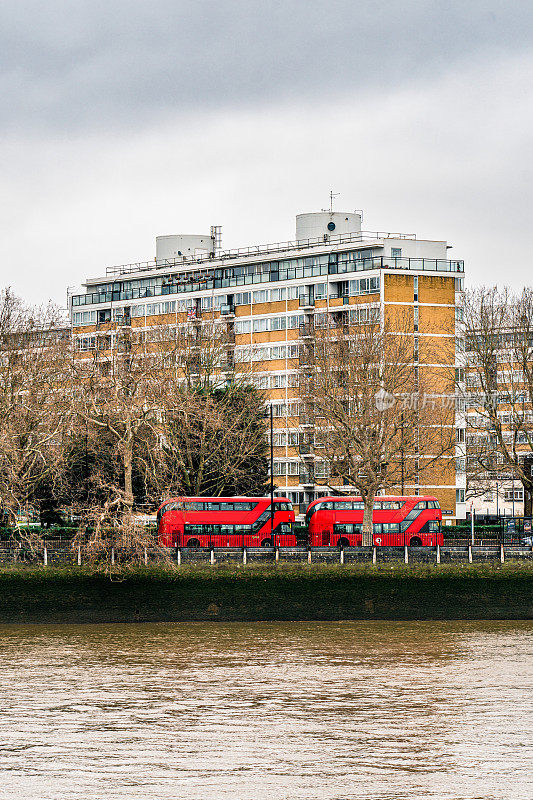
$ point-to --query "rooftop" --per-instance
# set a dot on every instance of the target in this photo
(256, 250)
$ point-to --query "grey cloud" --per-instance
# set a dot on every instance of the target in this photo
(81, 65)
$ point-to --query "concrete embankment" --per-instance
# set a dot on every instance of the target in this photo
(153, 594)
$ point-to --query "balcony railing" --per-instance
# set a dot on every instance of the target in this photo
(307, 330)
(209, 279)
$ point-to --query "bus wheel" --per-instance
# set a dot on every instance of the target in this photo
(193, 543)
(343, 542)
(266, 543)
(415, 542)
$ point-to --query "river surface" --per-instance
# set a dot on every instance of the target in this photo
(269, 711)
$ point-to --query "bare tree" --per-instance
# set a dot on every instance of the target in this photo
(34, 407)
(170, 411)
(122, 387)
(373, 419)
(497, 383)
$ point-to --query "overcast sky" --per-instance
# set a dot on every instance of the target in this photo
(121, 121)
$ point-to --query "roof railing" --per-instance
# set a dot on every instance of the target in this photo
(257, 250)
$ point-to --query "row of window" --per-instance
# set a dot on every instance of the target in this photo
(283, 381)
(379, 528)
(217, 530)
(288, 269)
(319, 291)
(246, 353)
(283, 270)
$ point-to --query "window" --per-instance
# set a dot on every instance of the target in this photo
(261, 325)
(261, 296)
(104, 315)
(459, 495)
(396, 252)
(278, 382)
(295, 321)
(415, 288)
(84, 317)
(243, 326)
(514, 494)
(415, 348)
(415, 317)
(321, 291)
(277, 294)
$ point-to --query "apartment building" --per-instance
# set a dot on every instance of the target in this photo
(499, 416)
(271, 296)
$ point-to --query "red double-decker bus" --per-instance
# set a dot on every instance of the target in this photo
(225, 522)
(398, 521)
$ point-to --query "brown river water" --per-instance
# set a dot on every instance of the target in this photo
(267, 710)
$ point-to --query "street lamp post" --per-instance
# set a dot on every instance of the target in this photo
(272, 474)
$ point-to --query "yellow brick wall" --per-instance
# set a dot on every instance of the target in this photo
(436, 289)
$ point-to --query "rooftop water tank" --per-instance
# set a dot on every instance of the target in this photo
(321, 223)
(182, 246)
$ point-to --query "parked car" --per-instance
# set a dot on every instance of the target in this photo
(527, 541)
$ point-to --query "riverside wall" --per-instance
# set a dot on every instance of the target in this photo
(236, 592)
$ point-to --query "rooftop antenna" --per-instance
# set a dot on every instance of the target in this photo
(332, 194)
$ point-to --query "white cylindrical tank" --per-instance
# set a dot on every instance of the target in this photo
(320, 223)
(181, 246)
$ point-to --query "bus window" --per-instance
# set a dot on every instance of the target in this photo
(391, 527)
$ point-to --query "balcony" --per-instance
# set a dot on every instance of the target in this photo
(227, 310)
(307, 330)
(307, 418)
(306, 302)
(307, 479)
(306, 358)
(304, 448)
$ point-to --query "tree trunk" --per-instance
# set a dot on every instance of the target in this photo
(368, 520)
(128, 478)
